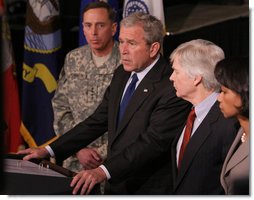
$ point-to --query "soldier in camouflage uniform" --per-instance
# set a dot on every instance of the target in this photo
(86, 74)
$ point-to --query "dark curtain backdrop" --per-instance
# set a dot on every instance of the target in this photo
(232, 36)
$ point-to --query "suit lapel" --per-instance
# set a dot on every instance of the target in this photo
(237, 154)
(122, 80)
(144, 89)
(141, 93)
(197, 140)
(173, 154)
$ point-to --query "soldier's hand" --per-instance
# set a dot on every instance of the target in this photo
(34, 153)
(89, 158)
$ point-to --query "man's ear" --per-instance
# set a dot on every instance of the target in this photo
(197, 80)
(155, 47)
(114, 28)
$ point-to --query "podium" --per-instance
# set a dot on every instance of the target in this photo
(36, 177)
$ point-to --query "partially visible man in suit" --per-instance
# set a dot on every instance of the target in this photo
(139, 138)
(86, 74)
(202, 145)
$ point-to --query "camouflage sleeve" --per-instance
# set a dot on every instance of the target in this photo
(102, 150)
(63, 118)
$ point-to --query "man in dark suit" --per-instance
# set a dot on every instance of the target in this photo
(198, 161)
(139, 141)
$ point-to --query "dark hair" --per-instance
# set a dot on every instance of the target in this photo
(233, 73)
(101, 4)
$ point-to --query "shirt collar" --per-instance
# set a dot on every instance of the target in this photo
(143, 73)
(203, 108)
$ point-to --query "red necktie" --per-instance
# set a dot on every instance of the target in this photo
(187, 135)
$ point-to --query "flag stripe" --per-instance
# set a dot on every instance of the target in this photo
(42, 63)
(10, 89)
(27, 136)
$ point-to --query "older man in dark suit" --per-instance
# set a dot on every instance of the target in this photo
(200, 148)
(140, 131)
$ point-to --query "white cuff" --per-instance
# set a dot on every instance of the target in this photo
(51, 152)
(105, 171)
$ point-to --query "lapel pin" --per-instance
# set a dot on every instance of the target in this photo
(145, 90)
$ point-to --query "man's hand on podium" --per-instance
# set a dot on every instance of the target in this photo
(31, 153)
(85, 180)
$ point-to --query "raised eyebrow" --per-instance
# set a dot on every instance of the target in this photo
(132, 41)
(100, 23)
(97, 23)
(87, 23)
(127, 40)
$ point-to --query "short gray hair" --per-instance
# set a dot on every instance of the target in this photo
(153, 28)
(199, 57)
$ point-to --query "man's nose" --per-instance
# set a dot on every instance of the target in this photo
(124, 48)
(171, 77)
(94, 30)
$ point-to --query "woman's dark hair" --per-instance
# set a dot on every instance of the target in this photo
(233, 73)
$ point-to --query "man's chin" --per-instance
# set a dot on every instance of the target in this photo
(128, 68)
(178, 95)
(96, 46)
